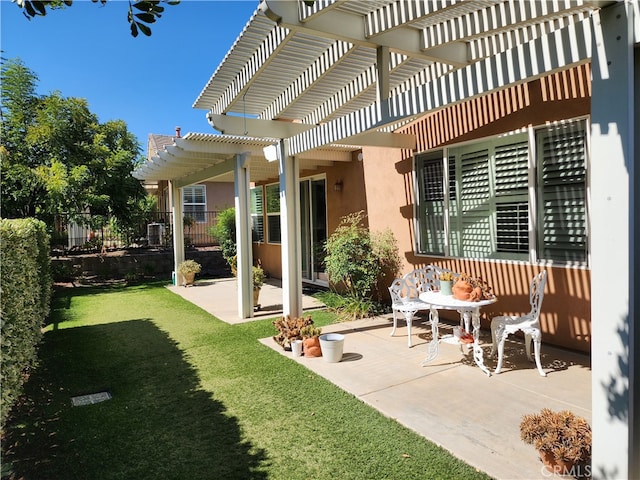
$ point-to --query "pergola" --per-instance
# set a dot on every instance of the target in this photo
(304, 85)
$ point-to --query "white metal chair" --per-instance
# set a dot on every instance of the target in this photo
(404, 296)
(529, 324)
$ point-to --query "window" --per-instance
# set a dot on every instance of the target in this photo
(194, 202)
(257, 218)
(273, 212)
(432, 208)
(562, 190)
(485, 207)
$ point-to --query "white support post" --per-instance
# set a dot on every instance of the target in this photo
(383, 83)
(244, 258)
(290, 232)
(175, 199)
(614, 227)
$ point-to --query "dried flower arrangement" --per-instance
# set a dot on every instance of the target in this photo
(289, 329)
(563, 435)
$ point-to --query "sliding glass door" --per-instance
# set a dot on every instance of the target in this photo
(313, 227)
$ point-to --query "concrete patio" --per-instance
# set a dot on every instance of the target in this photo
(449, 401)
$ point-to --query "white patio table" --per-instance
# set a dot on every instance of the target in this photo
(470, 312)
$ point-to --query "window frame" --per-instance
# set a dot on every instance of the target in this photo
(272, 216)
(198, 216)
(257, 214)
(530, 195)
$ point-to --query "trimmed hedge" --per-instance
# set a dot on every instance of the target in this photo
(25, 296)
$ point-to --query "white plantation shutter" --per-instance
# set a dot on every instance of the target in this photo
(562, 193)
(431, 204)
(512, 168)
(512, 205)
(488, 191)
(194, 202)
(474, 221)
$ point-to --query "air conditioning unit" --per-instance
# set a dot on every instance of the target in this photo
(155, 234)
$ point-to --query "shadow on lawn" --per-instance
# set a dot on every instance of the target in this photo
(159, 423)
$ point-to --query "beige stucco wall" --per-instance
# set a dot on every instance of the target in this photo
(220, 195)
(388, 174)
(352, 198)
(382, 185)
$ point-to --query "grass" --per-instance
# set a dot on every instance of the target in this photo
(194, 398)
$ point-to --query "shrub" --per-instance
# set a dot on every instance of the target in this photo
(350, 262)
(357, 261)
(26, 294)
(225, 232)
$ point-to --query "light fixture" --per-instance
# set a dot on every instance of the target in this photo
(271, 153)
(337, 187)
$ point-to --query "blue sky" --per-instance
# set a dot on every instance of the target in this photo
(151, 83)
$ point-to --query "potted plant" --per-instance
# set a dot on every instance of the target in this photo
(289, 330)
(563, 439)
(311, 341)
(446, 281)
(188, 270)
(258, 281)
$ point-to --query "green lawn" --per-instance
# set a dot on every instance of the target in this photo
(194, 398)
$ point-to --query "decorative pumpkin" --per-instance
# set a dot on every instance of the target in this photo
(463, 290)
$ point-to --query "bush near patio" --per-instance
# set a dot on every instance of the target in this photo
(224, 232)
(358, 263)
(26, 293)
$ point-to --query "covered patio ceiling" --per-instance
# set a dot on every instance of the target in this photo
(343, 74)
(198, 156)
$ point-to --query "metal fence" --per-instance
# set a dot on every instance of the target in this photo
(89, 233)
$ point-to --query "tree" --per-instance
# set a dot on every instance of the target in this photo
(58, 158)
(140, 14)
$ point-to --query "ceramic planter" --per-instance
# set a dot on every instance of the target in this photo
(189, 278)
(332, 345)
(445, 287)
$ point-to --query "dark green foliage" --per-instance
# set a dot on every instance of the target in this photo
(225, 232)
(139, 15)
(57, 158)
(357, 261)
(24, 304)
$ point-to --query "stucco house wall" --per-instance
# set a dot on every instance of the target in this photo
(381, 182)
(389, 180)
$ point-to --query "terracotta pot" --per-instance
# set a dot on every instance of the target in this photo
(311, 347)
(189, 278)
(554, 465)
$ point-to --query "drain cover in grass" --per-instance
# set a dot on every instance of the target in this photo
(90, 399)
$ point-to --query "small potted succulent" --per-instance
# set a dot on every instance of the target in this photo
(311, 341)
(258, 281)
(563, 439)
(188, 270)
